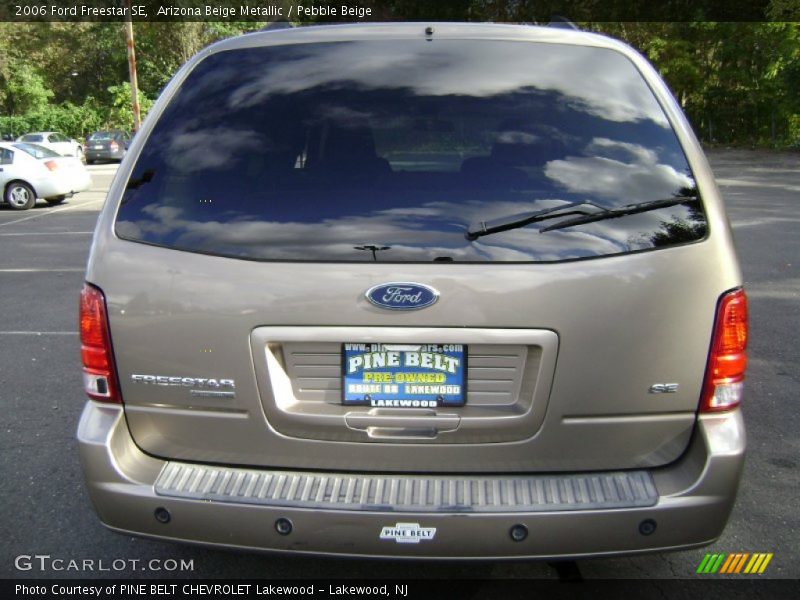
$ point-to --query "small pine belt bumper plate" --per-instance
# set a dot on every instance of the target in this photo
(408, 493)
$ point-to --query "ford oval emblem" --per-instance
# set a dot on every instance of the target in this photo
(402, 295)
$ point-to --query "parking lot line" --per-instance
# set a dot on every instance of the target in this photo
(47, 233)
(38, 333)
(46, 270)
(52, 212)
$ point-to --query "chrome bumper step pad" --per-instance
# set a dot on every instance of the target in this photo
(408, 493)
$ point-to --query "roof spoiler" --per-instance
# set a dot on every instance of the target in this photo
(277, 25)
(562, 23)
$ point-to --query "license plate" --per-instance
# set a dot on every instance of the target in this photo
(98, 147)
(404, 375)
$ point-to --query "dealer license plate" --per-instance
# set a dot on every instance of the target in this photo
(404, 375)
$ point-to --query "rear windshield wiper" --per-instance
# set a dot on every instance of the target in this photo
(517, 221)
(589, 213)
(630, 209)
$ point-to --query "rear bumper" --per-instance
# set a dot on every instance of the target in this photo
(104, 155)
(690, 505)
(62, 186)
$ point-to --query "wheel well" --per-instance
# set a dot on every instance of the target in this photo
(30, 185)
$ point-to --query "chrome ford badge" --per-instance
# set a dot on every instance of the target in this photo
(402, 295)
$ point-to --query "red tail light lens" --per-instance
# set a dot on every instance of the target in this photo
(51, 165)
(727, 359)
(114, 146)
(99, 372)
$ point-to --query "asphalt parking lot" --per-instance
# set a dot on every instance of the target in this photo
(46, 510)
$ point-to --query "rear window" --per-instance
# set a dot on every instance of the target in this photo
(326, 151)
(37, 151)
(32, 137)
(104, 136)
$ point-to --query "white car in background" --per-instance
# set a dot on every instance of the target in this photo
(30, 171)
(55, 141)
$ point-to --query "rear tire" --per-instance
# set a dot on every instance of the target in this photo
(90, 161)
(55, 200)
(19, 195)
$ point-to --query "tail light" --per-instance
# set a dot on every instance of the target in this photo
(51, 165)
(114, 146)
(99, 371)
(727, 358)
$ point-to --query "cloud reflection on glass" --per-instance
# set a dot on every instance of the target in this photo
(309, 152)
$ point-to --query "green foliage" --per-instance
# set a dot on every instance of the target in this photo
(794, 132)
(739, 83)
(120, 111)
(784, 10)
(78, 120)
(24, 89)
(75, 121)
(161, 48)
(73, 77)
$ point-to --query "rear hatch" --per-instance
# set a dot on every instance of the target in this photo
(279, 185)
(102, 144)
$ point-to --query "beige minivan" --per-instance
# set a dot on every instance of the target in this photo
(411, 290)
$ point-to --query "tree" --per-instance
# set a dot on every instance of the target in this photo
(24, 89)
(120, 113)
(737, 82)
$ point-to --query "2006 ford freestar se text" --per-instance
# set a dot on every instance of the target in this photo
(408, 290)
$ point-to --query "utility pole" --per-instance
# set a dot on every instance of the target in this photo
(137, 118)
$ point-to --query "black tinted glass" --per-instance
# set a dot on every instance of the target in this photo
(326, 151)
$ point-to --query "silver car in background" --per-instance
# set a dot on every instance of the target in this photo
(30, 171)
(408, 290)
(55, 141)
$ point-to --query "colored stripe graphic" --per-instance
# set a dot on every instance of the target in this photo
(718, 563)
(726, 566)
(741, 562)
(711, 563)
(765, 563)
(734, 563)
(703, 564)
(758, 563)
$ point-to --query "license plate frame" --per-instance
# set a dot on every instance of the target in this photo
(419, 381)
